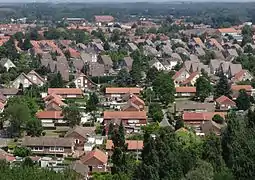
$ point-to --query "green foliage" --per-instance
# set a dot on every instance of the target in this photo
(164, 88)
(33, 173)
(179, 124)
(155, 112)
(56, 81)
(218, 119)
(92, 102)
(72, 85)
(247, 61)
(110, 131)
(72, 115)
(123, 78)
(222, 87)
(243, 100)
(34, 127)
(21, 151)
(203, 88)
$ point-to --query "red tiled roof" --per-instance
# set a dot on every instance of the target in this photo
(74, 53)
(112, 90)
(60, 91)
(185, 89)
(198, 116)
(98, 154)
(124, 115)
(104, 18)
(135, 98)
(227, 30)
(239, 87)
(51, 96)
(225, 100)
(49, 115)
(190, 78)
(57, 101)
(178, 73)
(131, 144)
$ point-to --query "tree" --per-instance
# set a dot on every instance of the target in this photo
(56, 81)
(203, 88)
(218, 119)
(123, 78)
(34, 127)
(72, 85)
(136, 71)
(72, 115)
(152, 74)
(26, 44)
(119, 157)
(243, 100)
(92, 102)
(21, 151)
(106, 46)
(164, 88)
(110, 131)
(222, 87)
(212, 152)
(203, 171)
(155, 112)
(179, 124)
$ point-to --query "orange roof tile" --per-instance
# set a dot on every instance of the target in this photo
(135, 98)
(190, 78)
(198, 116)
(113, 90)
(64, 91)
(227, 30)
(131, 144)
(49, 115)
(225, 99)
(98, 154)
(239, 87)
(185, 89)
(125, 115)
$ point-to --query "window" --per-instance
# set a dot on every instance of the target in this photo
(56, 149)
(77, 141)
(37, 149)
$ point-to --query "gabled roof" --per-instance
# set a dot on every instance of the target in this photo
(185, 89)
(47, 141)
(225, 100)
(57, 101)
(79, 168)
(240, 75)
(106, 60)
(178, 73)
(49, 115)
(190, 78)
(60, 91)
(135, 98)
(239, 87)
(98, 154)
(125, 115)
(36, 74)
(199, 42)
(51, 96)
(82, 131)
(227, 30)
(198, 116)
(123, 90)
(131, 144)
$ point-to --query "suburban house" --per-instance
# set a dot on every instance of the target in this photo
(54, 104)
(80, 134)
(236, 88)
(106, 61)
(224, 103)
(180, 76)
(101, 20)
(9, 92)
(66, 92)
(132, 120)
(127, 63)
(26, 80)
(243, 75)
(192, 106)
(195, 119)
(185, 91)
(228, 31)
(135, 146)
(7, 63)
(49, 145)
(191, 80)
(157, 64)
(133, 102)
(79, 168)
(117, 93)
(96, 160)
(208, 127)
(83, 82)
(51, 119)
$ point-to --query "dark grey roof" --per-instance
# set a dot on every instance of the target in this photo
(9, 91)
(78, 64)
(97, 69)
(79, 168)
(129, 61)
(132, 46)
(164, 123)
(47, 141)
(106, 60)
(86, 57)
(83, 131)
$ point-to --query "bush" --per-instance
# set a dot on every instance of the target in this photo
(21, 151)
(218, 119)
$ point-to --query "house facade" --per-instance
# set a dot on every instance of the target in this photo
(66, 92)
(185, 92)
(49, 145)
(51, 119)
(83, 82)
(223, 103)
